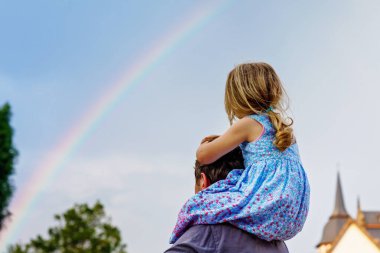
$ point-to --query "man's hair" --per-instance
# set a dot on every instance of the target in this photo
(219, 169)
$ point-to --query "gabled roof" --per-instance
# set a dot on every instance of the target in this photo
(344, 230)
(340, 221)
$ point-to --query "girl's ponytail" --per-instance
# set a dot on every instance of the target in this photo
(253, 88)
(284, 132)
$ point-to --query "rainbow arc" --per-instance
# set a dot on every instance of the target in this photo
(46, 171)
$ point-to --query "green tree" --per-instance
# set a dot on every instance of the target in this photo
(8, 156)
(81, 229)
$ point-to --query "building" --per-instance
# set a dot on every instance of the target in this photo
(344, 234)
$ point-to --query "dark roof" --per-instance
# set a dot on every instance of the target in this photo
(372, 217)
(375, 232)
(332, 229)
(337, 219)
(339, 209)
(372, 223)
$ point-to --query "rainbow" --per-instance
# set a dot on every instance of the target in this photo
(27, 195)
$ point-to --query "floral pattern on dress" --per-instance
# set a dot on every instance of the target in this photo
(269, 199)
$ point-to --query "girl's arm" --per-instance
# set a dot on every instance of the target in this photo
(245, 129)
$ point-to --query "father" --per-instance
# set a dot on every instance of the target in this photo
(221, 238)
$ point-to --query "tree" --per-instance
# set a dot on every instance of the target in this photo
(81, 229)
(8, 156)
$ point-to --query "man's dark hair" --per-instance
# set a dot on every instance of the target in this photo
(219, 169)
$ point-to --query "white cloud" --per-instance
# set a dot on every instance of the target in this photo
(141, 196)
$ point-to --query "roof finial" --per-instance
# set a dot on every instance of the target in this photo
(360, 215)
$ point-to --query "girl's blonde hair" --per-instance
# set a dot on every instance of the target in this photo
(255, 88)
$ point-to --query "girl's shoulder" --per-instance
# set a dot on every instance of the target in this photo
(260, 126)
(254, 127)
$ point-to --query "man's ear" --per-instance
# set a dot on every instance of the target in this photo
(204, 181)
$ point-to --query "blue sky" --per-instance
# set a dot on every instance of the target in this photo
(59, 57)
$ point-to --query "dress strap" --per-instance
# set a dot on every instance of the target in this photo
(264, 120)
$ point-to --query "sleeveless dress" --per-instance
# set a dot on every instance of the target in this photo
(269, 198)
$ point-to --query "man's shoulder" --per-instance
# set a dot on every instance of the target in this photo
(223, 238)
(197, 238)
(233, 239)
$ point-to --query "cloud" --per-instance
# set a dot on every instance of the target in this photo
(142, 196)
(89, 176)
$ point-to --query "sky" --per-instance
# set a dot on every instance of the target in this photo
(58, 59)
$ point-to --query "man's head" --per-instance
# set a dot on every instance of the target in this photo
(205, 175)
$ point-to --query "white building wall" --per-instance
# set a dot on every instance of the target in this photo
(354, 241)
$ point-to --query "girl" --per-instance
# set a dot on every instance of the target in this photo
(270, 198)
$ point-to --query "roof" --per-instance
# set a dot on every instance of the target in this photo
(375, 233)
(338, 218)
(372, 223)
(372, 217)
(340, 208)
(345, 228)
(332, 229)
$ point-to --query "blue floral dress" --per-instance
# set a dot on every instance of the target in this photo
(269, 199)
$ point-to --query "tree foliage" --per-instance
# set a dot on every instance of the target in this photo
(81, 229)
(8, 156)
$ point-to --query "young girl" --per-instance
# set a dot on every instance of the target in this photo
(270, 198)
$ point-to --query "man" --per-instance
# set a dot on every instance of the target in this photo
(221, 238)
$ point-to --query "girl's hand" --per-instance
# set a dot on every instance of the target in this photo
(245, 129)
(209, 138)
